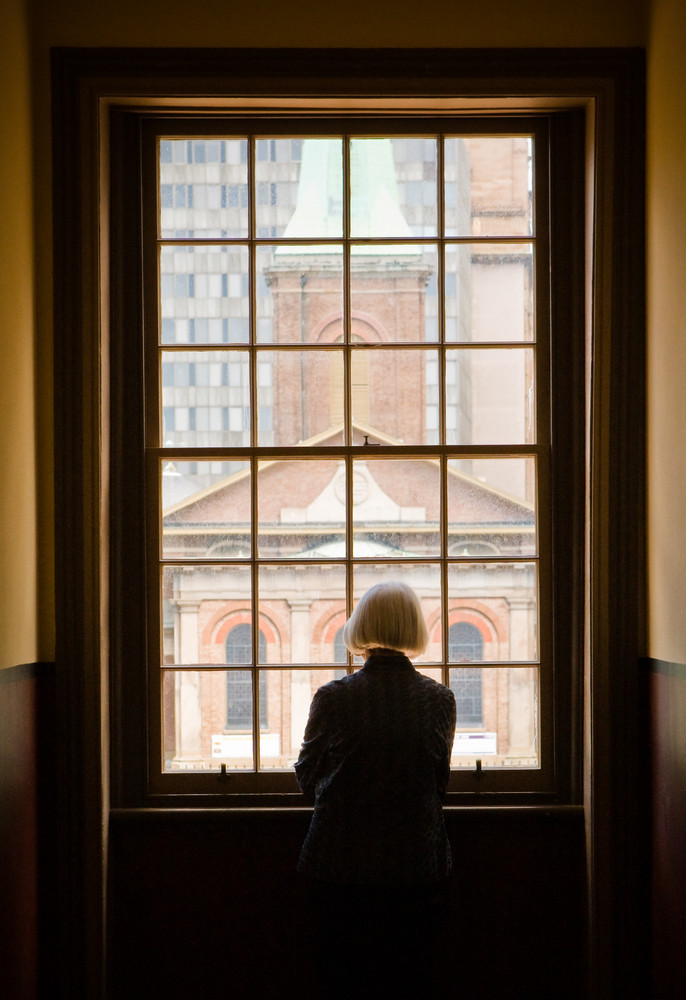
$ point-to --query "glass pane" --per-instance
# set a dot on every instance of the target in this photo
(182, 479)
(489, 396)
(391, 397)
(301, 610)
(299, 294)
(497, 717)
(299, 397)
(203, 188)
(393, 187)
(205, 399)
(489, 185)
(396, 508)
(435, 673)
(492, 506)
(207, 720)
(393, 293)
(205, 510)
(201, 606)
(299, 188)
(425, 580)
(204, 295)
(499, 601)
(301, 509)
(489, 293)
(289, 694)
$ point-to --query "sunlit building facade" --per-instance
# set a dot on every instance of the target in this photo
(387, 510)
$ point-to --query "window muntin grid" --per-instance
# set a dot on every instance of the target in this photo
(345, 354)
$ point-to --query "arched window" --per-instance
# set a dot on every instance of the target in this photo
(466, 644)
(238, 649)
(340, 653)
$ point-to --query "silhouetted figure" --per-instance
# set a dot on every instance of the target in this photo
(376, 760)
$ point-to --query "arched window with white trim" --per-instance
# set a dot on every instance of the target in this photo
(465, 645)
(238, 649)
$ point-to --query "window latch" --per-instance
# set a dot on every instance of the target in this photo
(223, 776)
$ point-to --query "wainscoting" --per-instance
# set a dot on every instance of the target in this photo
(27, 859)
(208, 903)
(668, 808)
(203, 900)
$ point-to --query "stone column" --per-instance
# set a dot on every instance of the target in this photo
(522, 709)
(522, 628)
(301, 683)
(522, 698)
(187, 688)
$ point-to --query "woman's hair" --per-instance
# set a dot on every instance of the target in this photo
(388, 616)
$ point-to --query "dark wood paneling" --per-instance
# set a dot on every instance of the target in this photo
(205, 903)
(668, 765)
(26, 907)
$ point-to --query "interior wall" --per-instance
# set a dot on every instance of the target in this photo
(172, 23)
(666, 270)
(18, 531)
(19, 641)
(306, 23)
(666, 481)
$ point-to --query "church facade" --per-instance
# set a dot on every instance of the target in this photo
(386, 517)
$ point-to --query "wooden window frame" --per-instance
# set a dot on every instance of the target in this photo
(137, 131)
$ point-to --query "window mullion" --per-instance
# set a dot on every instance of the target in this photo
(254, 464)
(442, 406)
(347, 384)
(347, 321)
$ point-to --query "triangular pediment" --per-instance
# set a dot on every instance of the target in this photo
(380, 493)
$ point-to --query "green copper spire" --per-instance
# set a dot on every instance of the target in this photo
(375, 208)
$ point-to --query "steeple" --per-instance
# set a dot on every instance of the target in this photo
(375, 209)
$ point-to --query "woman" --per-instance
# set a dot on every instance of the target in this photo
(376, 759)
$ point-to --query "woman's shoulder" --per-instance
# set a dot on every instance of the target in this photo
(334, 689)
(435, 689)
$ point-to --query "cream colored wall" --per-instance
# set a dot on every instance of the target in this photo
(383, 23)
(18, 528)
(666, 271)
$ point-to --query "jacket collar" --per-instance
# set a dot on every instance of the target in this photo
(387, 657)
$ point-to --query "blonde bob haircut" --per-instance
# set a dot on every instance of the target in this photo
(389, 616)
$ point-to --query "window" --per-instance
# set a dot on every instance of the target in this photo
(382, 403)
(466, 686)
(466, 642)
(239, 708)
(466, 645)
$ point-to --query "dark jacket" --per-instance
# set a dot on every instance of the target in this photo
(376, 760)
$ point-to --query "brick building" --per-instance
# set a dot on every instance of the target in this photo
(491, 607)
